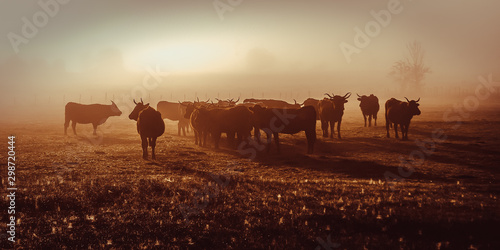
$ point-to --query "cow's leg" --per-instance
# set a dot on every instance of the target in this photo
(196, 135)
(332, 125)
(152, 143)
(396, 129)
(144, 141)
(230, 138)
(277, 141)
(364, 117)
(369, 121)
(324, 127)
(405, 135)
(216, 138)
(73, 126)
(269, 137)
(387, 126)
(95, 128)
(203, 135)
(311, 139)
(375, 119)
(66, 125)
(179, 125)
(256, 134)
(338, 128)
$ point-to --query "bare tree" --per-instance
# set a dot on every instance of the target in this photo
(411, 71)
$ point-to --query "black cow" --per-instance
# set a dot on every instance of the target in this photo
(338, 111)
(399, 112)
(96, 114)
(287, 121)
(150, 126)
(369, 107)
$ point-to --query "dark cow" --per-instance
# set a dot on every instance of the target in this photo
(337, 114)
(199, 121)
(175, 112)
(326, 114)
(314, 103)
(287, 121)
(274, 103)
(150, 126)
(369, 107)
(96, 114)
(232, 121)
(399, 112)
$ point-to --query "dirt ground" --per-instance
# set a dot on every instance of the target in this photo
(364, 190)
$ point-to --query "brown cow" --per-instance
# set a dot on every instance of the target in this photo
(326, 111)
(369, 107)
(287, 121)
(199, 121)
(338, 111)
(174, 112)
(96, 114)
(399, 112)
(150, 126)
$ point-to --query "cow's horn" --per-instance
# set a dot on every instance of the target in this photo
(346, 95)
(238, 99)
(217, 99)
(135, 102)
(418, 99)
(328, 95)
(358, 95)
(142, 101)
(197, 99)
(407, 99)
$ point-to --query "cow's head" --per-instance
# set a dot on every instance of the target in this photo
(139, 106)
(339, 101)
(413, 106)
(361, 98)
(189, 109)
(114, 110)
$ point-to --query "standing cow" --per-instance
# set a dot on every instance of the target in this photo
(399, 112)
(150, 126)
(369, 107)
(287, 121)
(198, 118)
(96, 114)
(332, 116)
(175, 112)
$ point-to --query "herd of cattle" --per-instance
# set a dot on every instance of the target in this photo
(235, 119)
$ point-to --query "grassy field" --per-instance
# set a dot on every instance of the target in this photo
(82, 191)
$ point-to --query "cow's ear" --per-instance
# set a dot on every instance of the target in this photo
(345, 101)
(147, 104)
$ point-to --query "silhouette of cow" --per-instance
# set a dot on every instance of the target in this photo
(150, 126)
(96, 114)
(287, 121)
(334, 115)
(369, 107)
(399, 112)
(175, 112)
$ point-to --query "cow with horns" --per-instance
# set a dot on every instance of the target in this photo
(226, 103)
(150, 126)
(96, 114)
(399, 112)
(331, 111)
(369, 107)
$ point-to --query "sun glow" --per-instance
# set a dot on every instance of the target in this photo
(185, 57)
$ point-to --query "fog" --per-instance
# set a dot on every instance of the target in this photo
(54, 52)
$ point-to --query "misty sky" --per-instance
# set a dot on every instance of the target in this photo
(189, 36)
